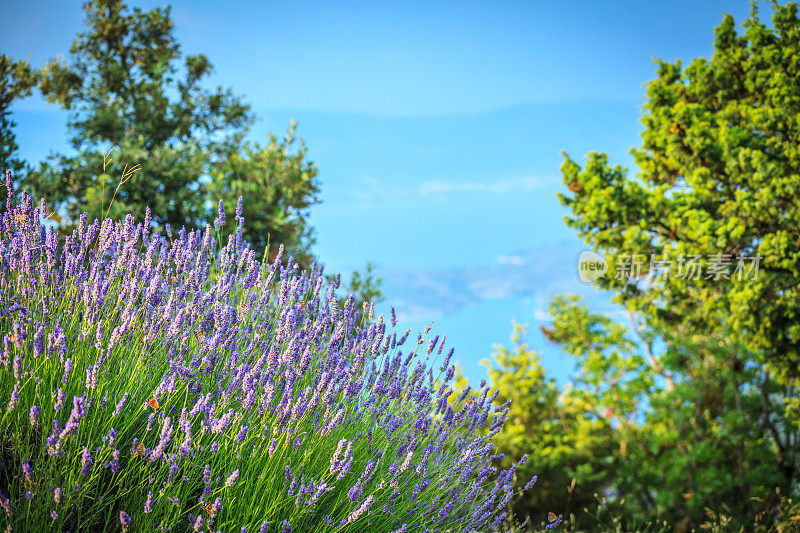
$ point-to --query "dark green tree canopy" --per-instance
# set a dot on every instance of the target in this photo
(718, 180)
(123, 81)
(655, 428)
(16, 81)
(127, 89)
(278, 186)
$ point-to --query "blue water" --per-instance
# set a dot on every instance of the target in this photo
(475, 330)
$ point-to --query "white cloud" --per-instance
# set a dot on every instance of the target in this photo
(542, 315)
(501, 186)
(511, 260)
(417, 313)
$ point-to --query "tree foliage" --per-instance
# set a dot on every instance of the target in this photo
(278, 186)
(718, 180)
(555, 429)
(657, 427)
(16, 81)
(688, 416)
(127, 89)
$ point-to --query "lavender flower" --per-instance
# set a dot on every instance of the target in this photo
(266, 362)
(86, 462)
(17, 366)
(5, 503)
(67, 371)
(12, 402)
(60, 398)
(239, 206)
(120, 405)
(114, 462)
(232, 478)
(361, 509)
(220, 220)
(75, 416)
(407, 461)
(33, 415)
(165, 438)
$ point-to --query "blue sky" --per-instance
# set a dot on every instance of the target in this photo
(437, 129)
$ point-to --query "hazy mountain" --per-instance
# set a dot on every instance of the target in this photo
(429, 294)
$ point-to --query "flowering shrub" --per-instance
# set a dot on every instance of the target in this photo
(160, 381)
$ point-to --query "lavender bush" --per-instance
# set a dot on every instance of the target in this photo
(161, 381)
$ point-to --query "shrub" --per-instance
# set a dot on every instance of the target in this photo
(160, 381)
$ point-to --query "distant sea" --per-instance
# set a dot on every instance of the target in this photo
(476, 306)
